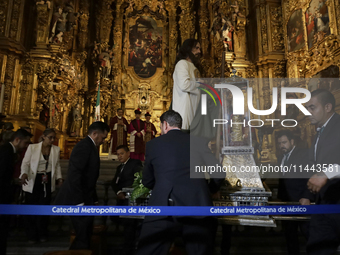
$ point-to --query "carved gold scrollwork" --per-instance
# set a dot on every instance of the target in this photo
(280, 69)
(42, 22)
(82, 35)
(26, 83)
(187, 20)
(321, 55)
(251, 71)
(103, 20)
(10, 67)
(277, 29)
(337, 12)
(3, 12)
(263, 21)
(15, 19)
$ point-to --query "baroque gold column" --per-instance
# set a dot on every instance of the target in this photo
(187, 20)
(173, 37)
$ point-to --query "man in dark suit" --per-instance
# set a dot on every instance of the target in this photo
(324, 236)
(293, 188)
(8, 154)
(167, 172)
(80, 185)
(124, 178)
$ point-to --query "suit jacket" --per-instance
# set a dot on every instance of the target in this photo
(82, 175)
(328, 151)
(126, 178)
(7, 161)
(291, 189)
(167, 171)
(30, 163)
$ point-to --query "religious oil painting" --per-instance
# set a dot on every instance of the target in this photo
(295, 32)
(145, 53)
(317, 22)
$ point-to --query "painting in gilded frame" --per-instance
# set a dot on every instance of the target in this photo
(295, 32)
(145, 52)
(317, 22)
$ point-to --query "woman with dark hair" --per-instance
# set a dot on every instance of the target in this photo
(40, 171)
(186, 95)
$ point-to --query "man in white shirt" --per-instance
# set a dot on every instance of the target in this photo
(186, 95)
(324, 154)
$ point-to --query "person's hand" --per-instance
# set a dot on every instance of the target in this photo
(59, 182)
(316, 182)
(139, 134)
(304, 201)
(24, 179)
(121, 196)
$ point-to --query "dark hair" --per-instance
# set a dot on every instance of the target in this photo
(119, 109)
(26, 128)
(21, 134)
(173, 118)
(324, 97)
(287, 133)
(48, 131)
(98, 126)
(124, 147)
(185, 51)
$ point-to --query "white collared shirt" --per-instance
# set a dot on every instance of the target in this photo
(92, 141)
(287, 156)
(15, 151)
(317, 139)
(329, 174)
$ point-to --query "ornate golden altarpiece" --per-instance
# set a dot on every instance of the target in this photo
(54, 54)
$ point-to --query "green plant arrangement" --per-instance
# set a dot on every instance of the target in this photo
(139, 190)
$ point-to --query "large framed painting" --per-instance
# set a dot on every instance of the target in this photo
(295, 32)
(317, 22)
(145, 52)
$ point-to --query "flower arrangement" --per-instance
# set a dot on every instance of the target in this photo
(139, 190)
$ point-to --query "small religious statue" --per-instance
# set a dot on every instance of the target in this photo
(76, 122)
(57, 17)
(130, 7)
(71, 17)
(105, 59)
(119, 127)
(236, 11)
(44, 2)
(216, 25)
(227, 33)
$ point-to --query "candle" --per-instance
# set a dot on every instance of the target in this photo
(2, 96)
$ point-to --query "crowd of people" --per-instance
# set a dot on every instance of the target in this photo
(168, 160)
(140, 133)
